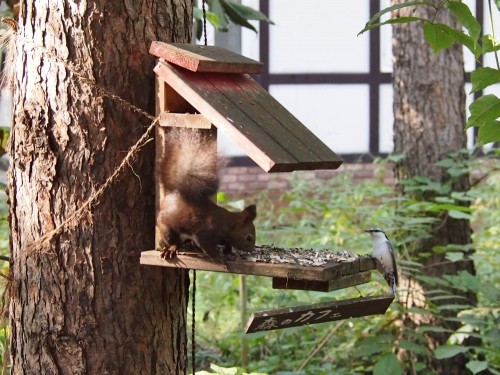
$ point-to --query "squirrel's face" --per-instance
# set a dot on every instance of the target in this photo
(242, 236)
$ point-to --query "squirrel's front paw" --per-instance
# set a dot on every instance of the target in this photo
(169, 253)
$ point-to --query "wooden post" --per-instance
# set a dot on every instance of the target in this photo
(243, 312)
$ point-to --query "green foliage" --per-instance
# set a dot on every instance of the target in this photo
(485, 111)
(221, 13)
(331, 216)
(388, 365)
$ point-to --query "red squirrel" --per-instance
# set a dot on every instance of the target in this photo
(190, 175)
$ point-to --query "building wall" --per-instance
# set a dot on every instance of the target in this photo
(245, 181)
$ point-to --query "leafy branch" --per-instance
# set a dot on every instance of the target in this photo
(484, 111)
(221, 13)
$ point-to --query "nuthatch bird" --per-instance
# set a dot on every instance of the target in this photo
(383, 252)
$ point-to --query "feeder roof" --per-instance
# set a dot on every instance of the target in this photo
(214, 81)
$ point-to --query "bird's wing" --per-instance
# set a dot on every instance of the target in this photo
(393, 257)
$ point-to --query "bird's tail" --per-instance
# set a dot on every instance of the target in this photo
(392, 288)
(391, 280)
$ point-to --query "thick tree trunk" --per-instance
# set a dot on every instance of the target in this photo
(80, 303)
(429, 108)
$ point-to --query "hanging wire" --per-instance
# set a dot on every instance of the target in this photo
(193, 314)
(204, 20)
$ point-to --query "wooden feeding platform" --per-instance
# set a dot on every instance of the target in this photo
(207, 89)
(294, 268)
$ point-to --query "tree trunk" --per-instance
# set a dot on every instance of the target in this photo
(429, 109)
(80, 302)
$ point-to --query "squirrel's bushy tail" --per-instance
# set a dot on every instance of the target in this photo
(191, 164)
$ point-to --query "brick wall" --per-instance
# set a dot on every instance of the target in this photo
(246, 181)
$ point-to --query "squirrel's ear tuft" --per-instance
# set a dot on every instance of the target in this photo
(251, 212)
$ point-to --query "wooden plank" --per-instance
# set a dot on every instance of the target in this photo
(184, 120)
(289, 122)
(235, 88)
(196, 260)
(160, 106)
(322, 286)
(200, 262)
(366, 263)
(318, 313)
(275, 148)
(170, 101)
(205, 58)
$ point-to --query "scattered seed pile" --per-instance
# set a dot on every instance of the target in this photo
(299, 256)
(277, 255)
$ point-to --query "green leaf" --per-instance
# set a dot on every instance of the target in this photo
(236, 17)
(198, 28)
(489, 132)
(247, 12)
(459, 215)
(431, 280)
(490, 44)
(371, 22)
(461, 196)
(465, 17)
(373, 344)
(413, 347)
(437, 37)
(477, 366)
(455, 306)
(461, 37)
(450, 207)
(489, 291)
(395, 158)
(211, 17)
(484, 77)
(392, 21)
(463, 279)
(418, 310)
(448, 351)
(240, 14)
(484, 110)
(444, 200)
(446, 163)
(454, 256)
(217, 9)
(435, 329)
(197, 13)
(388, 365)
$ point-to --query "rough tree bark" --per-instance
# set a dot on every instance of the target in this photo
(80, 303)
(429, 108)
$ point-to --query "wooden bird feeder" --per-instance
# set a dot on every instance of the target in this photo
(202, 87)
